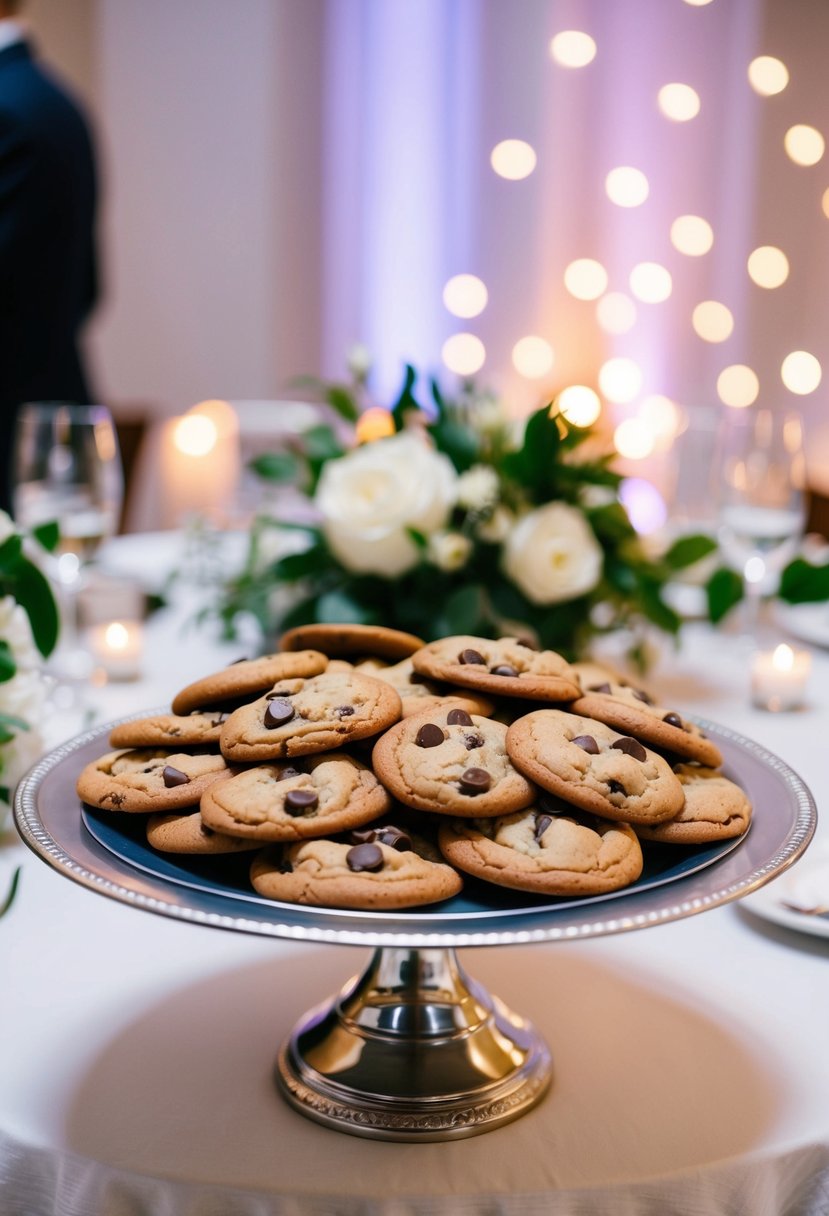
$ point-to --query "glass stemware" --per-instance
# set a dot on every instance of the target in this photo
(67, 468)
(759, 490)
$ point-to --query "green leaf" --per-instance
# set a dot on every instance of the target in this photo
(463, 610)
(10, 894)
(10, 552)
(461, 444)
(8, 667)
(276, 466)
(32, 591)
(405, 399)
(655, 608)
(47, 535)
(13, 720)
(336, 607)
(534, 465)
(611, 522)
(724, 589)
(803, 583)
(343, 401)
(688, 550)
(294, 566)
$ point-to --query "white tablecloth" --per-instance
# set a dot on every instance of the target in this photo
(691, 1060)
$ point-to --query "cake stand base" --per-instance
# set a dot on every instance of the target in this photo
(413, 1049)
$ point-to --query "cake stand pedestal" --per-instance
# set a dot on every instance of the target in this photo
(413, 1049)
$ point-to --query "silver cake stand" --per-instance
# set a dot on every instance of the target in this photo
(413, 1049)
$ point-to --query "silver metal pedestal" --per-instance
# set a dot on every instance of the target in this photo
(413, 1049)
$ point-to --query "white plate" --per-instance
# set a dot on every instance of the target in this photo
(806, 884)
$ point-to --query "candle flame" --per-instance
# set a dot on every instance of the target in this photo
(783, 658)
(116, 636)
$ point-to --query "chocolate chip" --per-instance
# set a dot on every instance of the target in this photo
(362, 835)
(472, 741)
(344, 711)
(278, 713)
(289, 771)
(503, 669)
(471, 656)
(458, 717)
(174, 776)
(674, 720)
(641, 695)
(631, 747)
(285, 866)
(394, 838)
(599, 688)
(299, 801)
(542, 822)
(616, 787)
(429, 735)
(364, 857)
(475, 781)
(587, 743)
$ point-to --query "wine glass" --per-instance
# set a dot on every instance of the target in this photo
(67, 468)
(759, 491)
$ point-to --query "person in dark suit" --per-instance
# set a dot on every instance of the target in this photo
(48, 270)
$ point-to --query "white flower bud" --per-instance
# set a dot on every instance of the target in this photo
(478, 488)
(449, 550)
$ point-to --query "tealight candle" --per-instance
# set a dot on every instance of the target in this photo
(779, 678)
(117, 647)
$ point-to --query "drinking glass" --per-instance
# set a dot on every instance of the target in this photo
(67, 468)
(759, 487)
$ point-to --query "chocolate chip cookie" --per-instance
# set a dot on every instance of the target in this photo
(594, 767)
(505, 667)
(295, 800)
(452, 762)
(367, 875)
(149, 779)
(634, 711)
(346, 641)
(715, 809)
(241, 682)
(187, 833)
(299, 717)
(169, 730)
(554, 851)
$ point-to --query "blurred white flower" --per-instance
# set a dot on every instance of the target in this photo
(449, 550)
(552, 554)
(359, 361)
(496, 528)
(6, 527)
(372, 495)
(478, 488)
(23, 696)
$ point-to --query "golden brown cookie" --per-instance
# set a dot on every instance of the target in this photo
(241, 682)
(186, 832)
(371, 875)
(633, 711)
(594, 767)
(168, 730)
(297, 799)
(145, 780)
(715, 809)
(348, 641)
(503, 667)
(302, 716)
(451, 762)
(554, 851)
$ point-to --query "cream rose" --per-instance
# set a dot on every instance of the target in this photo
(552, 554)
(369, 498)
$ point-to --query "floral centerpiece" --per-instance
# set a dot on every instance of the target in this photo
(441, 516)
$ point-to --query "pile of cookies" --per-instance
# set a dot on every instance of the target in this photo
(367, 769)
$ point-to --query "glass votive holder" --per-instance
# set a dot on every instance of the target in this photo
(779, 678)
(117, 648)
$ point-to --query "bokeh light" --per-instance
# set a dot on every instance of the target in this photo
(712, 321)
(650, 282)
(616, 313)
(573, 49)
(644, 504)
(698, 3)
(824, 202)
(195, 434)
(513, 159)
(801, 372)
(663, 417)
(463, 354)
(679, 102)
(633, 439)
(738, 386)
(532, 357)
(768, 266)
(620, 379)
(767, 75)
(804, 144)
(580, 405)
(692, 235)
(375, 423)
(626, 186)
(586, 279)
(465, 295)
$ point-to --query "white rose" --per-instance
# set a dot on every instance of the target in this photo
(449, 550)
(478, 488)
(552, 554)
(497, 527)
(369, 498)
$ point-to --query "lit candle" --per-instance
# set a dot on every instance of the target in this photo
(117, 647)
(779, 678)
